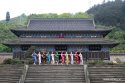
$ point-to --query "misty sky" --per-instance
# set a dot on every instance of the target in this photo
(17, 7)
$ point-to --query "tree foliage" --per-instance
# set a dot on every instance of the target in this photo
(111, 13)
(63, 15)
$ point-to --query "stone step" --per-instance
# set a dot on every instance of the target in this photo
(9, 80)
(107, 74)
(109, 69)
(59, 65)
(56, 68)
(55, 74)
(56, 71)
(105, 82)
(53, 78)
(55, 81)
(71, 80)
(48, 77)
(119, 65)
(101, 76)
(10, 73)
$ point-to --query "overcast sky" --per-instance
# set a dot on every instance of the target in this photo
(17, 7)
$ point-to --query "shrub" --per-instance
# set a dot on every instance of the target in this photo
(123, 63)
(96, 62)
(12, 61)
(29, 61)
(110, 63)
(100, 62)
(30, 51)
(118, 60)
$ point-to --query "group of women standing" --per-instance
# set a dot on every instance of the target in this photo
(55, 57)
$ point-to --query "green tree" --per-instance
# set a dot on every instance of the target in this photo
(82, 15)
(66, 15)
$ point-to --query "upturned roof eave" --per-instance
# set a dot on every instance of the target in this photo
(56, 43)
(28, 30)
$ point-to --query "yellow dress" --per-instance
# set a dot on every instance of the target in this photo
(67, 59)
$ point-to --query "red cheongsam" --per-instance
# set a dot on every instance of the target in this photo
(63, 58)
(77, 58)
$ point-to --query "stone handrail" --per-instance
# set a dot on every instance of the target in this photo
(117, 53)
(86, 73)
(6, 53)
(23, 76)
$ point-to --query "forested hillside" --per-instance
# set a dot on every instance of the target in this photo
(22, 20)
(112, 14)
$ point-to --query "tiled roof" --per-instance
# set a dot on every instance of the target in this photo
(61, 24)
(91, 30)
(81, 41)
(64, 24)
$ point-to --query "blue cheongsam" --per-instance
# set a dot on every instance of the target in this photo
(48, 58)
(34, 57)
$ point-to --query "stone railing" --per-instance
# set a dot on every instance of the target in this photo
(117, 53)
(4, 56)
(117, 56)
(23, 76)
(96, 55)
(86, 73)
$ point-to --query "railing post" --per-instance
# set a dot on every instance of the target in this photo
(86, 73)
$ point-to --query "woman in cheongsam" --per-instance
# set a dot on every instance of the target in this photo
(71, 55)
(48, 58)
(44, 58)
(81, 58)
(77, 58)
(39, 58)
(53, 60)
(34, 58)
(62, 57)
(57, 58)
(67, 58)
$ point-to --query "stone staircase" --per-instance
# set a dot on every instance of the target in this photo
(55, 74)
(107, 74)
(10, 73)
(63, 74)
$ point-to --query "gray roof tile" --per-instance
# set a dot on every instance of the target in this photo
(61, 24)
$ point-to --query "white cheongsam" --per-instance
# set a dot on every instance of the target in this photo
(81, 58)
(72, 62)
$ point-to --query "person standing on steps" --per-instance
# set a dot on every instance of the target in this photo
(48, 58)
(71, 55)
(52, 56)
(44, 58)
(77, 58)
(67, 58)
(57, 58)
(62, 58)
(81, 58)
(34, 58)
(39, 58)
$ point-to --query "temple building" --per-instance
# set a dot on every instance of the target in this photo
(67, 34)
